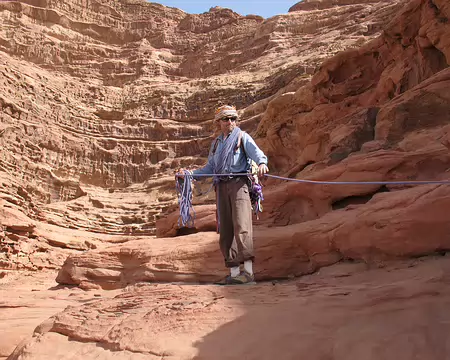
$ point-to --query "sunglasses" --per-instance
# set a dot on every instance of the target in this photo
(227, 118)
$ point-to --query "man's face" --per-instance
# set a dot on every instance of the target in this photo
(227, 124)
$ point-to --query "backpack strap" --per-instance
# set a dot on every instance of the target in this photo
(239, 143)
(214, 146)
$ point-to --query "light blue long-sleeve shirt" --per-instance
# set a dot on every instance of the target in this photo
(240, 163)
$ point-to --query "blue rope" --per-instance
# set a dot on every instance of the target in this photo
(212, 175)
(184, 189)
(225, 155)
(318, 182)
(411, 182)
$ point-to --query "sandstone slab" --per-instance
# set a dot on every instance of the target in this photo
(345, 313)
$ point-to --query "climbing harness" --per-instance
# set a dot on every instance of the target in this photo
(185, 190)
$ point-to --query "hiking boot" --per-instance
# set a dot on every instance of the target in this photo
(227, 280)
(243, 278)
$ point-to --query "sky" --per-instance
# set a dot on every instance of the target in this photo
(264, 8)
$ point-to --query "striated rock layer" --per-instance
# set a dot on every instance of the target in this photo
(408, 223)
(379, 112)
(103, 100)
(75, 150)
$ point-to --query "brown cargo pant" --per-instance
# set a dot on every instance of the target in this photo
(235, 221)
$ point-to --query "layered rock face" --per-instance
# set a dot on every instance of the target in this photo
(103, 100)
(308, 5)
(376, 113)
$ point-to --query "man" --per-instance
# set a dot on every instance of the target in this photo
(229, 154)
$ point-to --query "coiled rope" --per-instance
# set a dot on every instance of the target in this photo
(184, 191)
(222, 163)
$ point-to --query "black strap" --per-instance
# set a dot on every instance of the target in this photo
(239, 144)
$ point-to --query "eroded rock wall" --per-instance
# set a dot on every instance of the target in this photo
(103, 100)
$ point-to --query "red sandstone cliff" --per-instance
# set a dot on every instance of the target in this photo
(102, 100)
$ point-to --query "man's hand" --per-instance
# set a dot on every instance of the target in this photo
(262, 169)
(177, 174)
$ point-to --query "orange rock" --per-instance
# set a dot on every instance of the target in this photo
(101, 107)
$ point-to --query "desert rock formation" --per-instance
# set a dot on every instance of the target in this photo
(103, 100)
(379, 113)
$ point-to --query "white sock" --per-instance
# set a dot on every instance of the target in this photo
(235, 271)
(248, 266)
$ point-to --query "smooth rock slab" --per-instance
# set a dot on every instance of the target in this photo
(397, 313)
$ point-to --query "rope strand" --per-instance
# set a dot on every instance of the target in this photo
(410, 182)
(184, 190)
(320, 182)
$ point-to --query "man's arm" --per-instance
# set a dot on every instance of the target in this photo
(208, 168)
(252, 150)
(255, 153)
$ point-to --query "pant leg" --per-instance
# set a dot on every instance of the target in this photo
(226, 228)
(242, 219)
